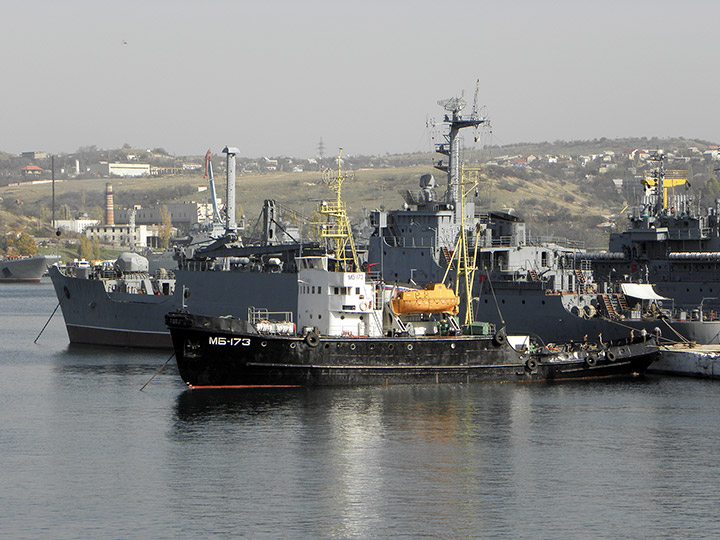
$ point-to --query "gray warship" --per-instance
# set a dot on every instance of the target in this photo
(539, 286)
(25, 269)
(671, 241)
(530, 285)
(124, 303)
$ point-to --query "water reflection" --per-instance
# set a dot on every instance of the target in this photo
(78, 359)
(364, 460)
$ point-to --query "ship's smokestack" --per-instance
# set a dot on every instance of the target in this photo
(109, 206)
(230, 225)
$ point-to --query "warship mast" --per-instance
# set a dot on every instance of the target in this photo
(451, 148)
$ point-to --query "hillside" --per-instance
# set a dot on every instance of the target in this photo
(550, 205)
(574, 189)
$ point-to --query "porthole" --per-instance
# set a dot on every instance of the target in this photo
(263, 344)
(410, 347)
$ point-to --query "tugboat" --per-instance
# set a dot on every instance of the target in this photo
(354, 330)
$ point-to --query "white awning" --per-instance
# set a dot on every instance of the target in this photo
(643, 291)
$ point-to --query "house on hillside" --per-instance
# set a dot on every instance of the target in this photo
(268, 164)
(31, 171)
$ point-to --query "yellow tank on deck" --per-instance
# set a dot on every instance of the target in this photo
(434, 298)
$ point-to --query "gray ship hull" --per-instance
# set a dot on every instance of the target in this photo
(26, 269)
(548, 316)
(98, 317)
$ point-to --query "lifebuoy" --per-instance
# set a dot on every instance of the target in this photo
(610, 356)
(499, 339)
(531, 364)
(590, 361)
(312, 339)
(363, 306)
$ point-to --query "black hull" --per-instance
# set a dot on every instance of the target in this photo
(214, 352)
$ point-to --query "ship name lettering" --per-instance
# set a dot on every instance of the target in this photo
(232, 342)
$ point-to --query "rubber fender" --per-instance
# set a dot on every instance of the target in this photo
(312, 339)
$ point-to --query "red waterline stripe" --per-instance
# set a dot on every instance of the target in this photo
(244, 386)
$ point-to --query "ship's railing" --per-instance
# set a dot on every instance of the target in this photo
(689, 234)
(256, 315)
(197, 266)
(412, 242)
(502, 241)
(271, 322)
(560, 241)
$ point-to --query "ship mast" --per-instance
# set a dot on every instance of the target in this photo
(451, 148)
(337, 227)
(659, 177)
(466, 261)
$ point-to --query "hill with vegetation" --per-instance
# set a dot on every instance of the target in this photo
(562, 189)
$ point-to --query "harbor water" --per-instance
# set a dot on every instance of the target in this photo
(84, 453)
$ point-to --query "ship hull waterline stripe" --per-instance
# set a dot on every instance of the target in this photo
(118, 330)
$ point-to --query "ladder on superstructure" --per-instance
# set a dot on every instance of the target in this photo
(337, 227)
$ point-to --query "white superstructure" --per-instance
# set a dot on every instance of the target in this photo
(337, 303)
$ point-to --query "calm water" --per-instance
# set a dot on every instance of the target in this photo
(85, 454)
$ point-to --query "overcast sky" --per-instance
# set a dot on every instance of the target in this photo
(273, 77)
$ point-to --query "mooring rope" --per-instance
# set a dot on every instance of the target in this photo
(158, 371)
(48, 321)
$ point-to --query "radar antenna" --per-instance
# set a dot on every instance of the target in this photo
(453, 105)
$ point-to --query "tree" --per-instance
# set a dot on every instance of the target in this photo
(166, 227)
(25, 245)
(84, 249)
(95, 244)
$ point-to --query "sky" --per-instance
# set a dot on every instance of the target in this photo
(273, 78)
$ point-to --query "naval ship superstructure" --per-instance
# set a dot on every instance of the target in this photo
(124, 303)
(672, 242)
(529, 285)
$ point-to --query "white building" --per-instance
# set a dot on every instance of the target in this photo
(106, 169)
(75, 225)
(119, 235)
